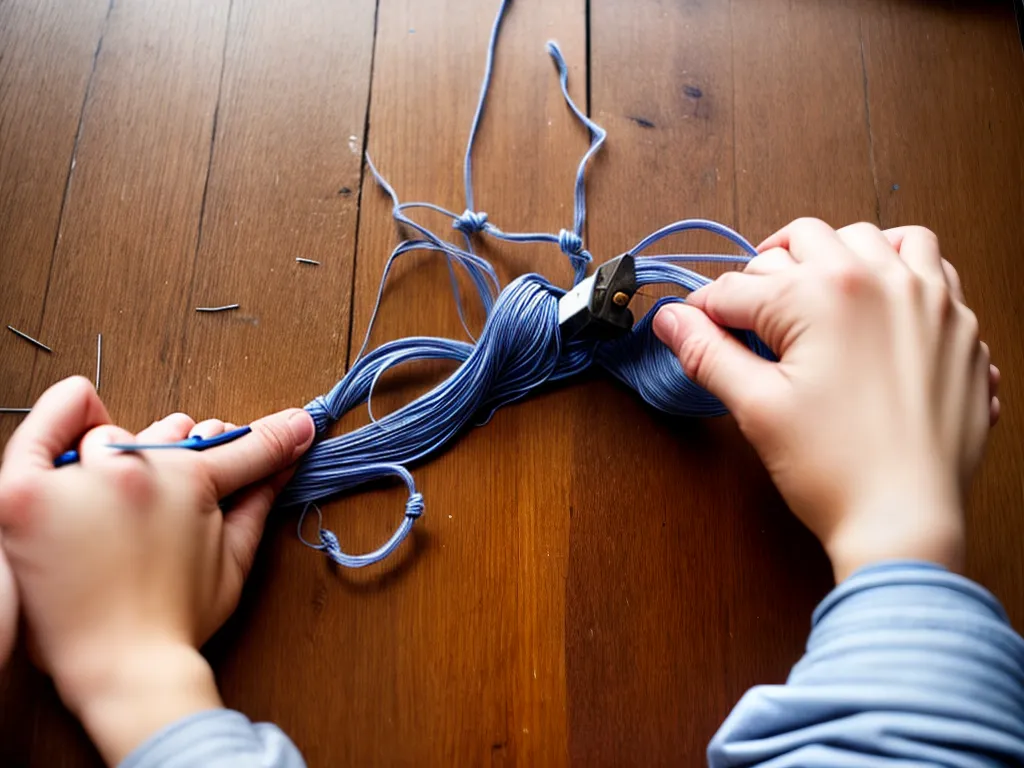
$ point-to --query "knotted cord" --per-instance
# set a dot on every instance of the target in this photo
(520, 348)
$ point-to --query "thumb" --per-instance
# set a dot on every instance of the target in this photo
(711, 356)
(275, 443)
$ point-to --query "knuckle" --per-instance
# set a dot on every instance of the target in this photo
(848, 277)
(969, 325)
(862, 227)
(923, 234)
(908, 284)
(180, 418)
(722, 286)
(275, 442)
(132, 479)
(808, 222)
(17, 495)
(941, 301)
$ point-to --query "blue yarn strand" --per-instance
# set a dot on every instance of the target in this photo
(519, 349)
(492, 46)
(597, 137)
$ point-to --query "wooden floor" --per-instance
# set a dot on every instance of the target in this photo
(593, 583)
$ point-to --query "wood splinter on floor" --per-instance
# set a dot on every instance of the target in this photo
(218, 309)
(29, 339)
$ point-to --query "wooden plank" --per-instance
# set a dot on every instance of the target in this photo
(127, 242)
(802, 144)
(591, 581)
(457, 643)
(47, 50)
(946, 130)
(128, 239)
(714, 112)
(284, 183)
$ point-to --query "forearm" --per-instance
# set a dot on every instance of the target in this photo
(159, 708)
(149, 688)
(906, 661)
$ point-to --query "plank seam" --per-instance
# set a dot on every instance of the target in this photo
(871, 135)
(183, 341)
(67, 179)
(362, 189)
(736, 223)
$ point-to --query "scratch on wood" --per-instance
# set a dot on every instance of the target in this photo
(643, 122)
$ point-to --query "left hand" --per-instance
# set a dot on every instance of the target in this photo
(125, 562)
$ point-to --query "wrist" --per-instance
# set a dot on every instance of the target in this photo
(146, 688)
(931, 534)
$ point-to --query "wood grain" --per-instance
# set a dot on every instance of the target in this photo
(592, 583)
(56, 44)
(127, 242)
(680, 547)
(467, 622)
(127, 239)
(284, 182)
(948, 154)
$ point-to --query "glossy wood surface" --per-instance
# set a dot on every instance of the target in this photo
(593, 583)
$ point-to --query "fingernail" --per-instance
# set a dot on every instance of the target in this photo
(301, 425)
(665, 324)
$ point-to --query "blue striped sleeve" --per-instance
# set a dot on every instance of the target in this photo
(219, 738)
(907, 665)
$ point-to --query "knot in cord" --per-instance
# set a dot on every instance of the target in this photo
(570, 243)
(519, 350)
(572, 246)
(328, 541)
(414, 506)
(470, 222)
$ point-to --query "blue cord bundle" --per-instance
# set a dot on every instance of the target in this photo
(519, 349)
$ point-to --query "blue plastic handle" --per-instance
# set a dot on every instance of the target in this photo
(194, 443)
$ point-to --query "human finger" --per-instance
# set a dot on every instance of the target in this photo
(169, 429)
(808, 240)
(208, 428)
(769, 262)
(919, 249)
(95, 449)
(63, 413)
(867, 242)
(711, 356)
(275, 442)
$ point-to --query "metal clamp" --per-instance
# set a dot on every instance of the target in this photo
(598, 308)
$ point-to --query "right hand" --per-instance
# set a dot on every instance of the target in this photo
(876, 415)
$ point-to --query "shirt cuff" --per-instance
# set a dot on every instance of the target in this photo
(906, 664)
(217, 738)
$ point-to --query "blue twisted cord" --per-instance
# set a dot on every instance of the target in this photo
(519, 349)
